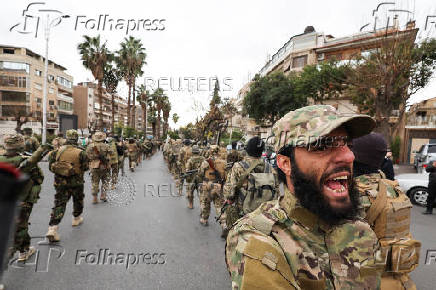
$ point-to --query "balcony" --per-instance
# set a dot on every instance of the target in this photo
(421, 122)
(65, 98)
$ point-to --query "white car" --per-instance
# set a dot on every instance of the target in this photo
(415, 186)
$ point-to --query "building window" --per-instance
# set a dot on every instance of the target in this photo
(37, 86)
(299, 61)
(65, 106)
(13, 110)
(64, 82)
(51, 78)
(14, 66)
(11, 81)
(38, 73)
(9, 51)
(51, 90)
(38, 100)
(51, 115)
(51, 102)
(19, 97)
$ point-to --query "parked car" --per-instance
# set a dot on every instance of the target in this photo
(415, 186)
(426, 153)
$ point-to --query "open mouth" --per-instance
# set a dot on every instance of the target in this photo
(337, 186)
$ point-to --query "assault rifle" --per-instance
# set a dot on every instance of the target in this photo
(183, 175)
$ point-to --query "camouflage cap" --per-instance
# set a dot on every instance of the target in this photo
(14, 142)
(72, 134)
(195, 149)
(305, 125)
(99, 136)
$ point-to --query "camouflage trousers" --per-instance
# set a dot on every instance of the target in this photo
(121, 165)
(98, 175)
(132, 161)
(22, 238)
(191, 187)
(62, 196)
(114, 173)
(211, 192)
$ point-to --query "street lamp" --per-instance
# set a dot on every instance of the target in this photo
(49, 25)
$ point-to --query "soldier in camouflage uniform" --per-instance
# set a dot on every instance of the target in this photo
(69, 164)
(184, 154)
(311, 238)
(377, 195)
(194, 181)
(234, 155)
(14, 145)
(237, 178)
(121, 151)
(114, 162)
(58, 141)
(30, 142)
(132, 152)
(212, 172)
(99, 157)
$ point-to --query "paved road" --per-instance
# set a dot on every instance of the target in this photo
(152, 230)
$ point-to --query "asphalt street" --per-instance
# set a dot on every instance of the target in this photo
(162, 239)
(148, 239)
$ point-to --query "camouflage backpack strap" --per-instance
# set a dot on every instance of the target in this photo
(378, 204)
(60, 152)
(247, 172)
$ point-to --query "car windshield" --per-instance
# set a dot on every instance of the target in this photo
(432, 149)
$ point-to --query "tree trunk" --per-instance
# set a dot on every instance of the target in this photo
(144, 117)
(113, 112)
(100, 101)
(133, 106)
(128, 103)
(158, 123)
(153, 125)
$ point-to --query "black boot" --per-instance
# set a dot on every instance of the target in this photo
(427, 212)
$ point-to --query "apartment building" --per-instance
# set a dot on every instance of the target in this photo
(21, 91)
(87, 108)
(420, 127)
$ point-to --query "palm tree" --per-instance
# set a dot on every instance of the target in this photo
(130, 59)
(111, 79)
(144, 98)
(159, 101)
(166, 109)
(94, 56)
(152, 117)
(175, 118)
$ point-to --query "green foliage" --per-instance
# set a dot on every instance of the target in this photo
(129, 132)
(236, 136)
(395, 148)
(272, 96)
(188, 131)
(216, 99)
(173, 135)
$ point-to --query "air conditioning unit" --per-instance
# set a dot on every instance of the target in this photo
(321, 56)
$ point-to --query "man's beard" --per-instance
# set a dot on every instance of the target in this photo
(309, 193)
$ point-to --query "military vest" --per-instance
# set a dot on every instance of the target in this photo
(315, 255)
(67, 161)
(114, 153)
(216, 171)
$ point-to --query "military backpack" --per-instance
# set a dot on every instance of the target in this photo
(67, 161)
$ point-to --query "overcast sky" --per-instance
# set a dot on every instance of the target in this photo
(201, 39)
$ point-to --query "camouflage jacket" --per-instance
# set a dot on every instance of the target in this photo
(282, 245)
(236, 174)
(31, 144)
(194, 163)
(74, 180)
(233, 156)
(98, 154)
(113, 153)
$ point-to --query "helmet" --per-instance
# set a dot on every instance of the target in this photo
(14, 142)
(195, 149)
(99, 136)
(72, 135)
(27, 131)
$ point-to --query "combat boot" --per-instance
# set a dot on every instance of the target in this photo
(24, 256)
(94, 199)
(114, 186)
(103, 197)
(190, 204)
(224, 233)
(52, 234)
(204, 222)
(77, 221)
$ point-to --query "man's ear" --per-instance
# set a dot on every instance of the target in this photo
(284, 163)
